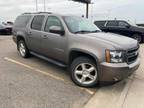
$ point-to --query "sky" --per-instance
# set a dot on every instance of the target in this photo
(100, 9)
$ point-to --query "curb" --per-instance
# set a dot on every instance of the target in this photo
(110, 97)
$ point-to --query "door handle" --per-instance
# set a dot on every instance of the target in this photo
(45, 36)
(29, 33)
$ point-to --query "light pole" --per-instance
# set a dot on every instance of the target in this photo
(87, 10)
(109, 13)
(36, 5)
(44, 6)
(92, 11)
(87, 2)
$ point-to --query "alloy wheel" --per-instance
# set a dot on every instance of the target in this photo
(85, 73)
(22, 49)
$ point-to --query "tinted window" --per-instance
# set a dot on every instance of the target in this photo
(100, 23)
(112, 23)
(122, 24)
(52, 21)
(22, 21)
(37, 22)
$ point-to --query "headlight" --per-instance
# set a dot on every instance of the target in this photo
(114, 56)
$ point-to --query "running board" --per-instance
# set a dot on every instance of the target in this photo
(48, 59)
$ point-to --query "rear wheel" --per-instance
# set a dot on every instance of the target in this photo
(138, 37)
(84, 72)
(23, 50)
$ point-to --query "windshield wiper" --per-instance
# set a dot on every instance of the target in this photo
(82, 31)
(94, 31)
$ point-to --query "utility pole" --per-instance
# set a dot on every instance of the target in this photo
(92, 11)
(87, 2)
(44, 6)
(87, 10)
(36, 5)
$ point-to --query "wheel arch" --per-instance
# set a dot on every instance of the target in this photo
(140, 34)
(19, 37)
(74, 53)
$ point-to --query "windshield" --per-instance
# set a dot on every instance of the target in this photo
(132, 23)
(80, 25)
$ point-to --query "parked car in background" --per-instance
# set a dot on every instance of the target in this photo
(90, 55)
(122, 27)
(10, 23)
(142, 25)
(5, 28)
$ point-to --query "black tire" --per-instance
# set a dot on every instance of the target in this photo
(75, 64)
(138, 37)
(26, 53)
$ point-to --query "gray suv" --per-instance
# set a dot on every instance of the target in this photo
(68, 41)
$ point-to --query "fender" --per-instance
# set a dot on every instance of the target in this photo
(85, 52)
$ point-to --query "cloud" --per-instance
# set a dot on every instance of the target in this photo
(101, 9)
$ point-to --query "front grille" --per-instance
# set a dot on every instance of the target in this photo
(132, 55)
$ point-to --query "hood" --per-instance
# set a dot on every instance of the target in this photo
(138, 28)
(117, 41)
(141, 27)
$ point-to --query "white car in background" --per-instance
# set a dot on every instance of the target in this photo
(5, 28)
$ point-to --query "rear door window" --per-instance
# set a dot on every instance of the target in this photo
(112, 24)
(37, 22)
(22, 21)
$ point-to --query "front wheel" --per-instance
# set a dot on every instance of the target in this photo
(138, 37)
(84, 72)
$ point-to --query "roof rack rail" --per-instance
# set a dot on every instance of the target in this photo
(37, 13)
(45, 12)
(26, 13)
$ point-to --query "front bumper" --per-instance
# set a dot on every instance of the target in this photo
(111, 72)
(6, 30)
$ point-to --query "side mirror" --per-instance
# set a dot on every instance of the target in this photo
(57, 30)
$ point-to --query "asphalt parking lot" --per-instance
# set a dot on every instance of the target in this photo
(35, 83)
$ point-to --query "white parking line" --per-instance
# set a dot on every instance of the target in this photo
(88, 91)
(45, 73)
